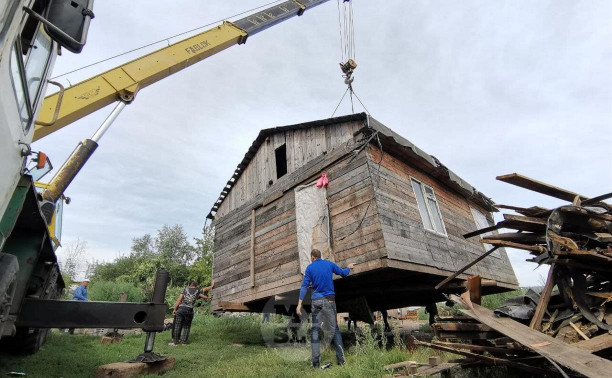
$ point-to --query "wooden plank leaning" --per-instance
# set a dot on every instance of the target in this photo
(571, 357)
(536, 321)
(465, 267)
(540, 187)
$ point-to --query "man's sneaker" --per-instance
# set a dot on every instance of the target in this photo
(171, 344)
(327, 365)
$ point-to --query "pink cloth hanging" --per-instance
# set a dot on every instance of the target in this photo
(323, 181)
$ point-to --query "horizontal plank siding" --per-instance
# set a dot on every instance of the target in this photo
(405, 237)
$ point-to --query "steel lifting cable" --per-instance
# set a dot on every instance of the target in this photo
(347, 51)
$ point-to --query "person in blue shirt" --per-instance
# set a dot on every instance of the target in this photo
(319, 274)
(80, 294)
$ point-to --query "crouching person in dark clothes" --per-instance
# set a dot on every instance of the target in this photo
(319, 274)
(183, 311)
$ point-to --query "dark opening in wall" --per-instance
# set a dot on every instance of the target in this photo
(281, 161)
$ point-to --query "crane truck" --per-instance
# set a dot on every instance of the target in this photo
(32, 32)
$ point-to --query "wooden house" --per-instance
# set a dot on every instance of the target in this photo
(389, 207)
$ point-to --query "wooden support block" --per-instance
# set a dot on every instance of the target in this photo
(110, 340)
(434, 360)
(474, 287)
(233, 306)
(126, 369)
(413, 368)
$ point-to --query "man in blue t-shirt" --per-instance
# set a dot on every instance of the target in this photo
(319, 274)
(80, 294)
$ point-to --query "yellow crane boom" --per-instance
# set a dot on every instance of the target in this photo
(123, 82)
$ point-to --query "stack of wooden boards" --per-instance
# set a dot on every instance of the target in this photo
(571, 327)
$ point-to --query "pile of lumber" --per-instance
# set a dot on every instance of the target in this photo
(568, 328)
(576, 241)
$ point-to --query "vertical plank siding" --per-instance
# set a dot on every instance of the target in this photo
(303, 145)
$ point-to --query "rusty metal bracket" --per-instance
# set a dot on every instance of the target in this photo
(58, 105)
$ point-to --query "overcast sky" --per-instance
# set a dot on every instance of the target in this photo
(488, 87)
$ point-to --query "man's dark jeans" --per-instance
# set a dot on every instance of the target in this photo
(324, 317)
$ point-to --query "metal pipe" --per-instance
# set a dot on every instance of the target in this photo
(69, 170)
(161, 284)
(108, 121)
(150, 342)
(162, 277)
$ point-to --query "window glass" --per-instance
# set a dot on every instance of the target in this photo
(435, 214)
(428, 207)
(482, 222)
(418, 192)
(37, 63)
(18, 85)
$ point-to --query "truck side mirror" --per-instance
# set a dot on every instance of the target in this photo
(72, 17)
(67, 22)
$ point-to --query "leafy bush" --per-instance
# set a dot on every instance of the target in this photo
(108, 291)
(172, 295)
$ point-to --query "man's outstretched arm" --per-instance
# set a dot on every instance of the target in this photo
(206, 290)
(343, 272)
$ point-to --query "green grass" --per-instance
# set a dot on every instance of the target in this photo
(219, 347)
(491, 301)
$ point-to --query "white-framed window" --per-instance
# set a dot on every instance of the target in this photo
(428, 207)
(482, 222)
(28, 72)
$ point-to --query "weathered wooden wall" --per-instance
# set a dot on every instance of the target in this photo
(356, 235)
(374, 222)
(405, 237)
(303, 145)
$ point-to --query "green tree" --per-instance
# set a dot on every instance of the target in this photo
(169, 249)
(201, 270)
(172, 243)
